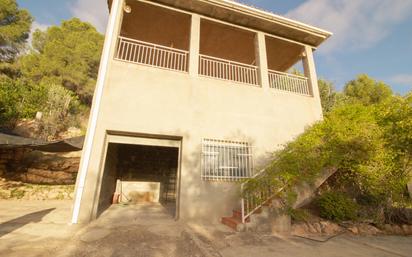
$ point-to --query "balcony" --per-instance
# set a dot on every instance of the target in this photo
(289, 82)
(135, 51)
(228, 70)
(159, 37)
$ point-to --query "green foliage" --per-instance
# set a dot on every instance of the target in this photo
(23, 99)
(19, 99)
(56, 78)
(299, 214)
(328, 95)
(337, 206)
(17, 193)
(58, 111)
(15, 26)
(66, 55)
(367, 145)
(367, 90)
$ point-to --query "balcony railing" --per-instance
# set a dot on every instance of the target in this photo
(228, 70)
(136, 51)
(289, 82)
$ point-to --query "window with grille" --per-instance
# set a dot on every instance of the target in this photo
(226, 160)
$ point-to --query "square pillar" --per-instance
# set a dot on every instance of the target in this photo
(262, 60)
(310, 73)
(86, 184)
(194, 46)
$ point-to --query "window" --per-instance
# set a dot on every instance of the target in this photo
(226, 160)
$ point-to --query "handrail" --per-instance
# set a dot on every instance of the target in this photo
(246, 202)
(289, 82)
(154, 45)
(288, 74)
(227, 61)
(135, 51)
(228, 70)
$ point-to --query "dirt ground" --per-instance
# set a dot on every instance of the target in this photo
(40, 228)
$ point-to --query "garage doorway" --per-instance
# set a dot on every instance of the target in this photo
(141, 171)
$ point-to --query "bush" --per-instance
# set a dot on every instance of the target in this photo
(299, 215)
(337, 206)
(19, 99)
(59, 112)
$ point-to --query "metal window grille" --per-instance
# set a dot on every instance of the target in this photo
(226, 160)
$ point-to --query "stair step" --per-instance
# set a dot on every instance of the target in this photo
(237, 214)
(231, 222)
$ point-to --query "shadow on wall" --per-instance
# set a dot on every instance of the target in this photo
(14, 224)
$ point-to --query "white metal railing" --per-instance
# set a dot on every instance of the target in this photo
(289, 82)
(228, 70)
(253, 201)
(135, 51)
(226, 160)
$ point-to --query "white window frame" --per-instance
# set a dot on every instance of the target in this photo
(224, 160)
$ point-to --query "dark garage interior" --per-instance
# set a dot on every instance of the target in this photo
(140, 174)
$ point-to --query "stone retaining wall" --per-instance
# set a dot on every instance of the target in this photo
(37, 167)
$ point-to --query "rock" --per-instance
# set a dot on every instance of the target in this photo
(369, 230)
(71, 132)
(354, 230)
(37, 176)
(407, 229)
(312, 229)
(388, 228)
(52, 195)
(317, 227)
(27, 128)
(299, 229)
(331, 228)
(397, 230)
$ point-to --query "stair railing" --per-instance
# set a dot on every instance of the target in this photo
(253, 201)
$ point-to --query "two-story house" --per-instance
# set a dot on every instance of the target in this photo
(194, 96)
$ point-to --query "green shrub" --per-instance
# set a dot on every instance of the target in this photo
(20, 99)
(299, 214)
(337, 206)
(17, 193)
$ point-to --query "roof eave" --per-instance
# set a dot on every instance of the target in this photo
(309, 35)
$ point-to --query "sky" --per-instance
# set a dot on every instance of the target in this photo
(370, 36)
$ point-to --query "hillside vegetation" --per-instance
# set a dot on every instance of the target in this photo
(366, 137)
(54, 75)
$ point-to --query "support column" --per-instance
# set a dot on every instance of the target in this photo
(194, 46)
(310, 73)
(262, 60)
(112, 32)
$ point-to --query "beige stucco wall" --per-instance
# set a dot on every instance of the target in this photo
(145, 100)
(141, 99)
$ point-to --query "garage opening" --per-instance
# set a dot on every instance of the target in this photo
(138, 174)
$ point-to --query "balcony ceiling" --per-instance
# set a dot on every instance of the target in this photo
(246, 16)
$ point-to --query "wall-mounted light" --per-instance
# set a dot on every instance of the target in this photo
(127, 9)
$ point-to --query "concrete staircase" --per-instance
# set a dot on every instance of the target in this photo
(235, 221)
(268, 217)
